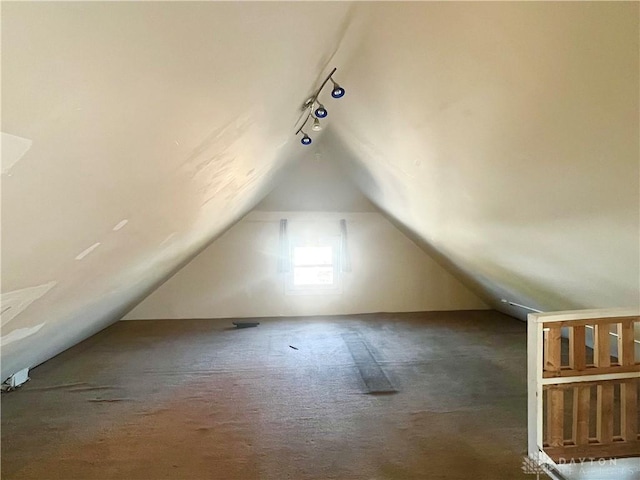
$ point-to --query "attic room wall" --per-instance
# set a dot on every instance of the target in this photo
(509, 144)
(316, 182)
(237, 276)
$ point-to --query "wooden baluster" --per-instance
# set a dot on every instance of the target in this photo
(604, 408)
(629, 410)
(577, 348)
(602, 346)
(545, 347)
(553, 349)
(604, 427)
(581, 408)
(555, 416)
(628, 389)
(555, 396)
(626, 353)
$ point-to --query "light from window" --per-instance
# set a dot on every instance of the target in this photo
(313, 266)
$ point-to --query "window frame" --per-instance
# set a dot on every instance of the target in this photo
(332, 289)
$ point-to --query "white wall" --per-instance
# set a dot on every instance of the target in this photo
(315, 182)
(237, 275)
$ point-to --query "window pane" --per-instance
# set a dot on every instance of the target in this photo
(312, 256)
(313, 276)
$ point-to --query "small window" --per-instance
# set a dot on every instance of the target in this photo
(314, 267)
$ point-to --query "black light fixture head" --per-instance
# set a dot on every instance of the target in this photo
(321, 112)
(306, 139)
(338, 91)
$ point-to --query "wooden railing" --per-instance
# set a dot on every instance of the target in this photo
(584, 377)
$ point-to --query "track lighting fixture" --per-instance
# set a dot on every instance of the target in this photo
(320, 111)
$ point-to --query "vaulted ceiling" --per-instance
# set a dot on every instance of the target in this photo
(502, 137)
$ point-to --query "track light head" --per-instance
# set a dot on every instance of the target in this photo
(321, 112)
(306, 139)
(316, 127)
(338, 91)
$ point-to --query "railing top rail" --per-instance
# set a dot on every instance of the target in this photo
(564, 316)
(591, 379)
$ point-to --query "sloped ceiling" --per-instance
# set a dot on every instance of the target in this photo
(502, 136)
(505, 137)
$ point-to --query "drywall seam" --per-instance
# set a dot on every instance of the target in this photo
(13, 149)
(15, 302)
(19, 334)
(88, 251)
(120, 225)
